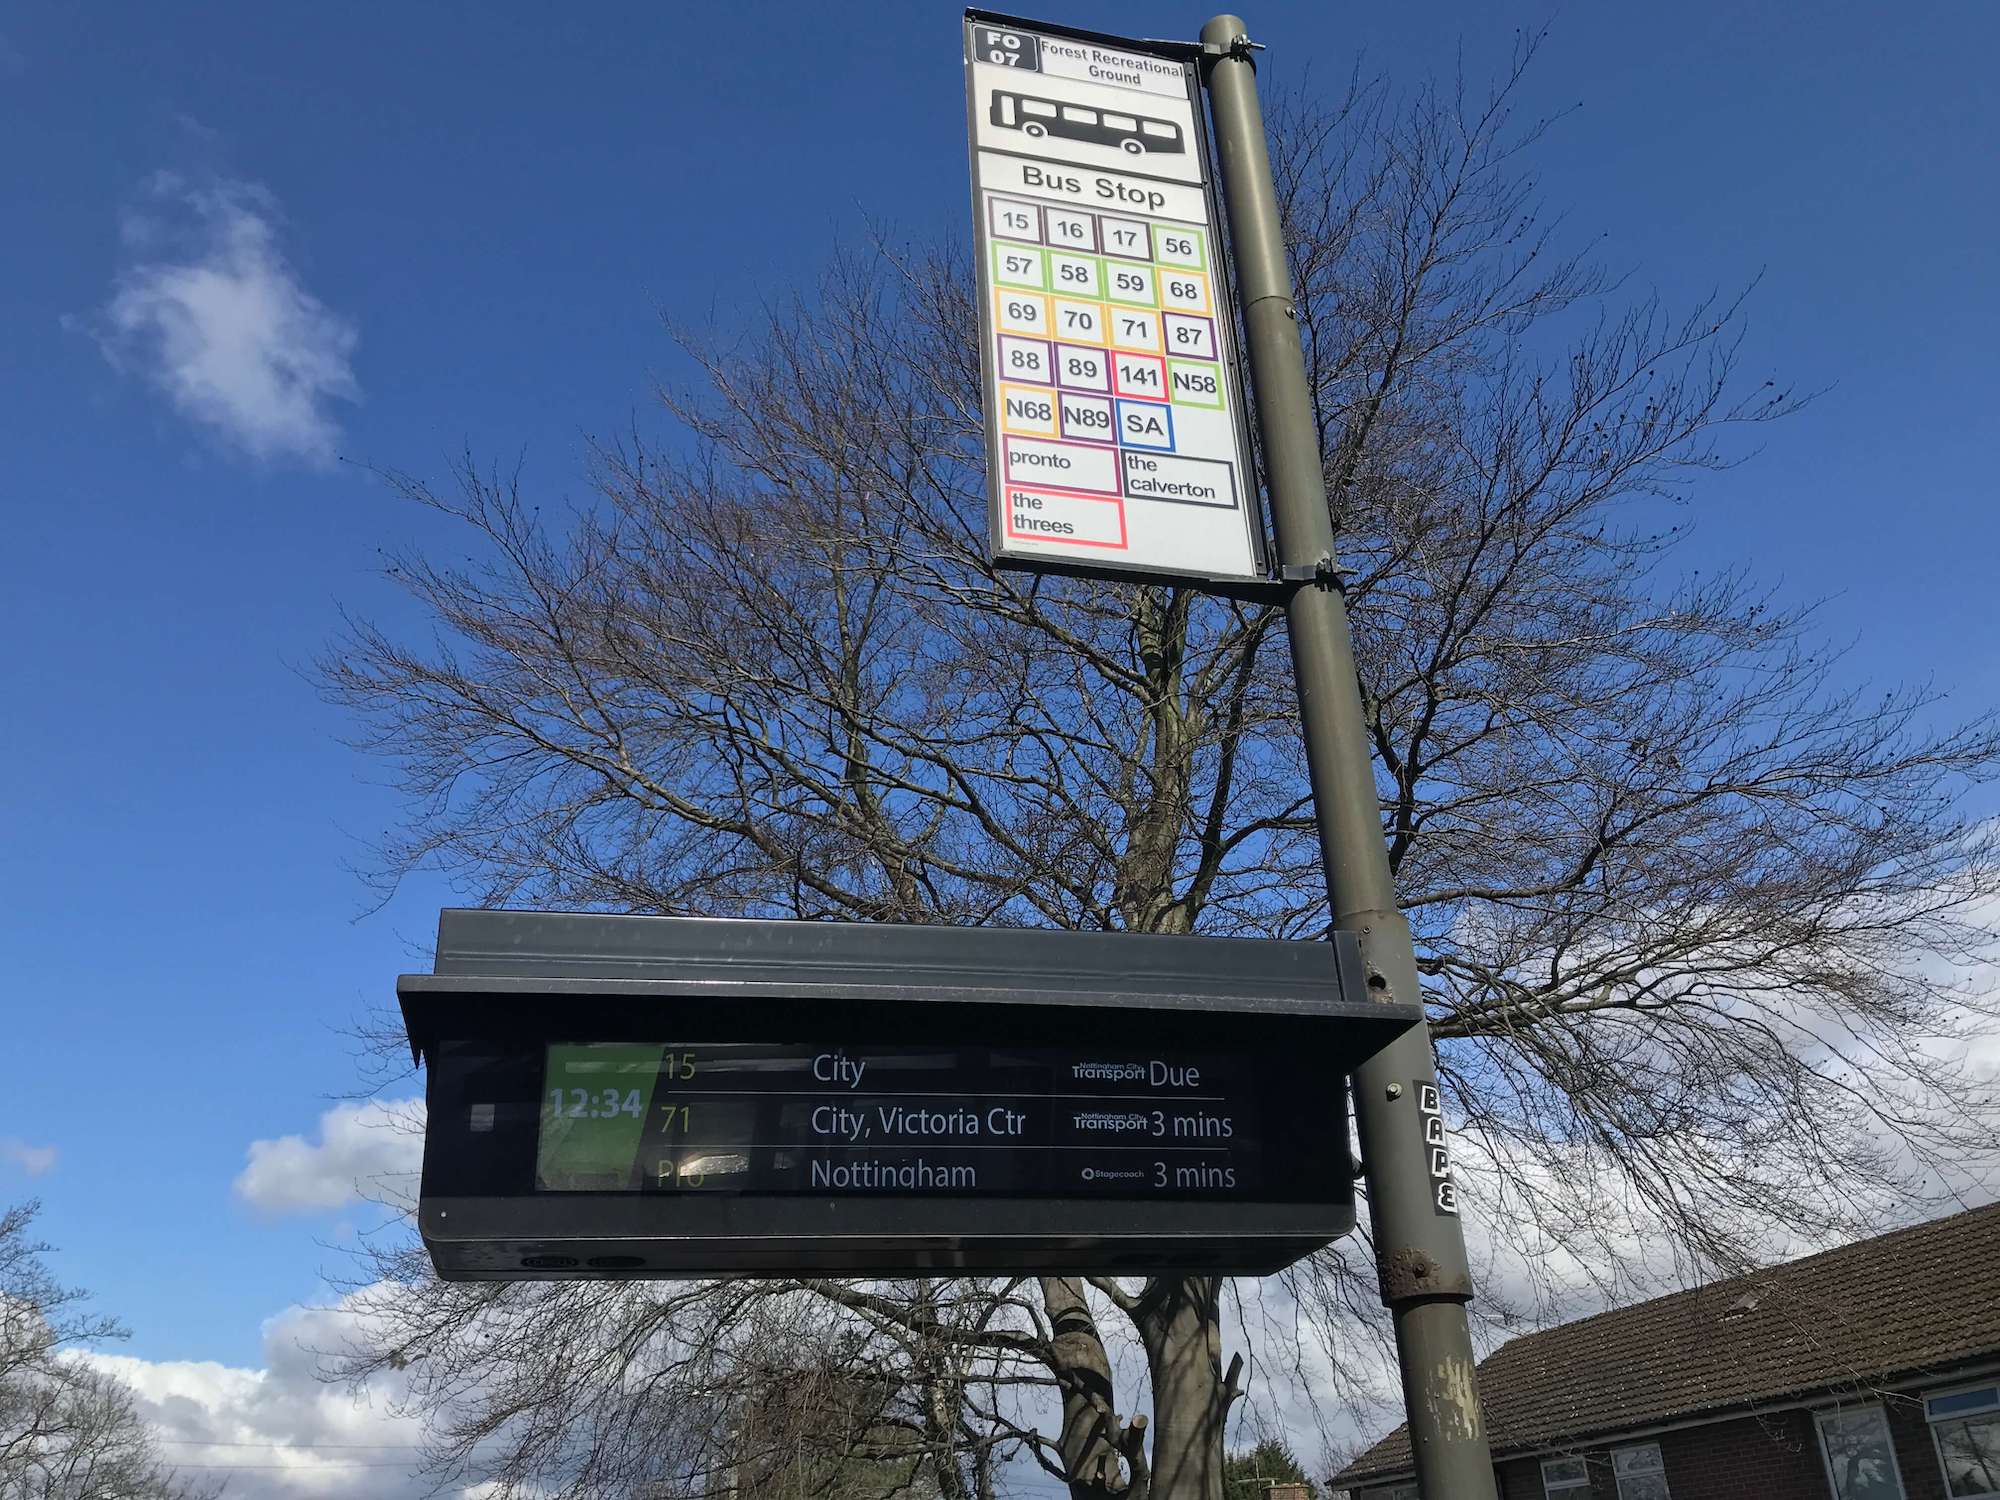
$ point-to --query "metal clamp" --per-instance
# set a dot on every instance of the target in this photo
(1321, 572)
(1239, 45)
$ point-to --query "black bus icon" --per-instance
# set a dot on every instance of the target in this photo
(1080, 122)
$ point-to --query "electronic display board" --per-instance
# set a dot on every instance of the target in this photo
(657, 1096)
(1019, 1121)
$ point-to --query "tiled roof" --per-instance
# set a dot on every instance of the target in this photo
(1919, 1299)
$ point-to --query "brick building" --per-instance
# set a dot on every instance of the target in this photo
(1871, 1372)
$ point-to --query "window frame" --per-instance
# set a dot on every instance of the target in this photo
(1580, 1488)
(1963, 1390)
(1933, 1423)
(1820, 1417)
(1659, 1468)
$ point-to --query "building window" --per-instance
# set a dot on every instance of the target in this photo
(1965, 1425)
(1641, 1472)
(1565, 1479)
(1395, 1492)
(1860, 1463)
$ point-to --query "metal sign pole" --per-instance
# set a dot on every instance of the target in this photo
(1419, 1243)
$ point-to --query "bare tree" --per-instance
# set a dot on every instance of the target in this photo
(1667, 870)
(68, 1430)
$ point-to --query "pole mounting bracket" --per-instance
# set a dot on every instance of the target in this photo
(1321, 572)
(1238, 46)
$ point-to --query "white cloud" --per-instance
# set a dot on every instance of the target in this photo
(281, 1432)
(34, 1160)
(364, 1151)
(213, 313)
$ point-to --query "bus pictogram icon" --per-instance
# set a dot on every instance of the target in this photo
(1136, 135)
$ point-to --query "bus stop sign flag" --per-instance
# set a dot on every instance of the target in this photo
(1115, 424)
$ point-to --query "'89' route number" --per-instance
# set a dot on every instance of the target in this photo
(1007, 49)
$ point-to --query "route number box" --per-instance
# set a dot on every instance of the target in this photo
(663, 1097)
(1116, 434)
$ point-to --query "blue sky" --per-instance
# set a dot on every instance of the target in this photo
(457, 226)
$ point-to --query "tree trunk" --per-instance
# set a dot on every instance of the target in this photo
(1180, 1323)
(1092, 1435)
(938, 1379)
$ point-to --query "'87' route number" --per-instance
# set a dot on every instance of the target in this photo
(1007, 49)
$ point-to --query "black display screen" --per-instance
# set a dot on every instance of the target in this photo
(1100, 1121)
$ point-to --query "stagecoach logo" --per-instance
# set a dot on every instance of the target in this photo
(1136, 135)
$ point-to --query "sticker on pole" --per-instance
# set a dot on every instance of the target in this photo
(1116, 434)
(1430, 1109)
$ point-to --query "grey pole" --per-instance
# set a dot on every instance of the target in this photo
(1419, 1243)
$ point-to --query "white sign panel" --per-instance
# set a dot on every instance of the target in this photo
(1116, 436)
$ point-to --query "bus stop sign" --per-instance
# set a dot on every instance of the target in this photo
(1116, 435)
